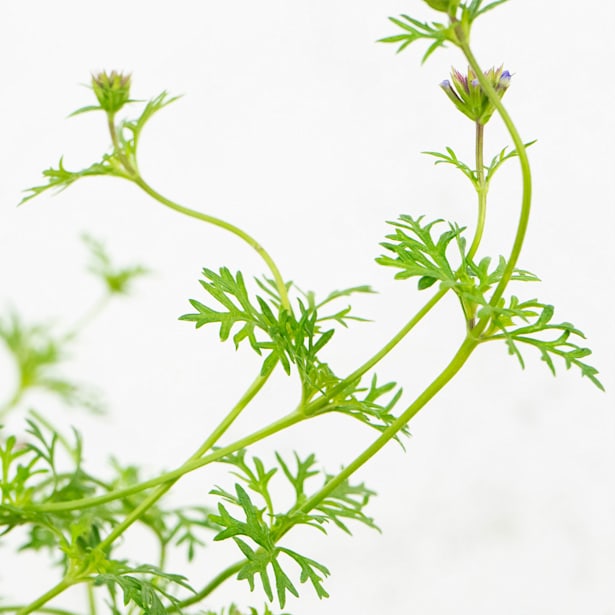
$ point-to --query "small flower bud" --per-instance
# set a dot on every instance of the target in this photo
(112, 90)
(468, 96)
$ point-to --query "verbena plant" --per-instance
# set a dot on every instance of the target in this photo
(78, 518)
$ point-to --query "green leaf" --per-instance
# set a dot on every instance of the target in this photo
(139, 590)
(498, 160)
(60, 178)
(417, 253)
(451, 158)
(537, 317)
(414, 30)
(291, 338)
(310, 571)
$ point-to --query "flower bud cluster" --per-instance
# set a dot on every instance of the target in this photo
(112, 90)
(468, 96)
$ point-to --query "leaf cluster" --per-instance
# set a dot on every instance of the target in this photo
(281, 335)
(34, 471)
(264, 525)
(418, 253)
(295, 340)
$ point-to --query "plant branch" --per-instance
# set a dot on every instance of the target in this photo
(277, 276)
(526, 198)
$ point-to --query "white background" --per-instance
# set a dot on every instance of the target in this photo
(296, 126)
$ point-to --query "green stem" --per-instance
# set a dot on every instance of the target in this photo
(91, 599)
(319, 403)
(134, 175)
(189, 466)
(469, 344)
(14, 608)
(481, 190)
(277, 276)
(461, 356)
(134, 515)
(526, 198)
(209, 588)
(64, 584)
(117, 150)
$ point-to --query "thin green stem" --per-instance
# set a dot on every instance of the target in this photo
(134, 175)
(277, 276)
(134, 515)
(319, 403)
(14, 608)
(526, 198)
(91, 598)
(56, 590)
(189, 466)
(209, 588)
(117, 149)
(457, 362)
(461, 356)
(481, 190)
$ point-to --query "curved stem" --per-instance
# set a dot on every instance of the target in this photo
(526, 198)
(133, 174)
(277, 276)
